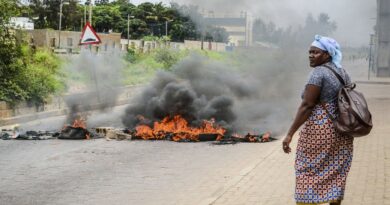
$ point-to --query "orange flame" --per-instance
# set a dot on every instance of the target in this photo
(81, 123)
(179, 129)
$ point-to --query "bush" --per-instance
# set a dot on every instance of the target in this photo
(38, 77)
(150, 38)
(41, 78)
(131, 56)
(167, 57)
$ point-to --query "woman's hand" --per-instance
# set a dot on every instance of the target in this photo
(310, 99)
(286, 144)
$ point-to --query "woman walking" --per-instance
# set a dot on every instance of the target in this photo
(323, 156)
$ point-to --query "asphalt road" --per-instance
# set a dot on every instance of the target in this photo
(119, 172)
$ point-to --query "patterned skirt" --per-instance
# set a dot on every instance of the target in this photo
(323, 159)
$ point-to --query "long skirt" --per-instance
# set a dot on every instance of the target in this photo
(323, 159)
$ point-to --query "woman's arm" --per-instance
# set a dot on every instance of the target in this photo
(310, 99)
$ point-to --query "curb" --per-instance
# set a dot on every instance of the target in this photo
(373, 82)
(53, 113)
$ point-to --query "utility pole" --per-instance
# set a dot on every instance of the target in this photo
(128, 31)
(370, 59)
(59, 26)
(166, 28)
(85, 14)
(90, 12)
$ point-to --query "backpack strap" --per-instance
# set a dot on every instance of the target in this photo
(336, 74)
(341, 81)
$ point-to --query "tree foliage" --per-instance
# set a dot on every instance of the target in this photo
(268, 32)
(25, 74)
(45, 14)
(178, 21)
(10, 51)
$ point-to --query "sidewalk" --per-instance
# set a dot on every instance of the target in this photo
(271, 180)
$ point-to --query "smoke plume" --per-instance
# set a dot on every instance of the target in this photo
(258, 96)
(263, 92)
(96, 79)
(285, 13)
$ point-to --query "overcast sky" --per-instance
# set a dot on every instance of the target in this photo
(355, 18)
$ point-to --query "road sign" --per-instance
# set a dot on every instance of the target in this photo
(89, 36)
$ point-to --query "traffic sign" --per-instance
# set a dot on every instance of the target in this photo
(89, 36)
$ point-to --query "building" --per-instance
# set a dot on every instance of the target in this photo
(383, 38)
(238, 27)
(68, 41)
(23, 23)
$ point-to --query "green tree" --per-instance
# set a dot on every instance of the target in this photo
(270, 33)
(46, 14)
(183, 22)
(11, 65)
(216, 34)
(38, 13)
(183, 25)
(108, 18)
(72, 17)
(321, 25)
(24, 73)
(101, 2)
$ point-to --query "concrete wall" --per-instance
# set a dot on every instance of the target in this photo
(5, 110)
(213, 46)
(383, 44)
(146, 46)
(23, 108)
(68, 41)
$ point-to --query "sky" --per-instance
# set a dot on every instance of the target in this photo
(355, 18)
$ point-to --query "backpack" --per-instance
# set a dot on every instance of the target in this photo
(354, 117)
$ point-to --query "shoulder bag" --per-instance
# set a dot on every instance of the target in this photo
(354, 118)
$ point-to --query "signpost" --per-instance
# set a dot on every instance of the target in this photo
(89, 37)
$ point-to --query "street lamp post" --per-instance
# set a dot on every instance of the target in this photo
(60, 22)
(128, 30)
(90, 11)
(370, 58)
(85, 14)
(166, 26)
(59, 26)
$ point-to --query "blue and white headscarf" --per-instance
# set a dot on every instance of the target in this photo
(331, 46)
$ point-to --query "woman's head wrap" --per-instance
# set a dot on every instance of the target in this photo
(331, 46)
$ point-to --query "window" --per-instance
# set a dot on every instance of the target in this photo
(53, 42)
(69, 42)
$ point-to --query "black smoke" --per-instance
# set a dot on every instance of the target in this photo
(197, 90)
(259, 95)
